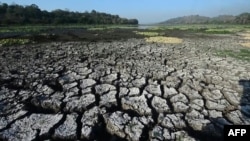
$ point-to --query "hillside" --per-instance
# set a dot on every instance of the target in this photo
(243, 18)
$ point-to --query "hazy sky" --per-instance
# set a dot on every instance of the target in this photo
(146, 11)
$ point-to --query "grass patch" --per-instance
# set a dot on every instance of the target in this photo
(162, 39)
(149, 34)
(218, 31)
(10, 41)
(242, 54)
(204, 28)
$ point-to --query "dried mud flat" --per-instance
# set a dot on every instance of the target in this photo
(122, 90)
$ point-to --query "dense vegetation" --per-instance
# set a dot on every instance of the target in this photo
(243, 18)
(21, 15)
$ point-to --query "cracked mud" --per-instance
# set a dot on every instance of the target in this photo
(122, 90)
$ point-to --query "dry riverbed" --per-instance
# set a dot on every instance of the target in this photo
(123, 89)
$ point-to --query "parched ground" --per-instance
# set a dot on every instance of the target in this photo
(123, 90)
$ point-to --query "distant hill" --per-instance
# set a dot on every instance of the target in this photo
(243, 18)
(187, 20)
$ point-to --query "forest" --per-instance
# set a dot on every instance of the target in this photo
(32, 15)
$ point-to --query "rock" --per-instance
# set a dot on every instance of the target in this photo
(160, 105)
(182, 135)
(166, 134)
(45, 103)
(26, 128)
(109, 78)
(197, 104)
(134, 129)
(213, 95)
(70, 94)
(146, 120)
(157, 133)
(138, 104)
(139, 82)
(87, 90)
(196, 120)
(189, 92)
(235, 117)
(115, 123)
(69, 85)
(172, 82)
(179, 98)
(67, 130)
(168, 92)
(108, 99)
(89, 120)
(180, 107)
(123, 92)
(84, 71)
(216, 80)
(79, 104)
(232, 97)
(172, 121)
(220, 106)
(154, 89)
(46, 90)
(215, 114)
(104, 88)
(5, 120)
(134, 91)
(85, 83)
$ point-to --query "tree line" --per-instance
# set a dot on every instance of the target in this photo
(22, 15)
